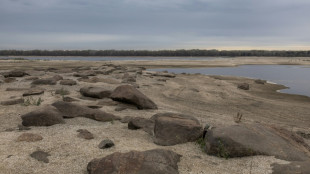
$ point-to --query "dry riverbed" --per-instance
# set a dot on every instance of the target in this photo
(213, 100)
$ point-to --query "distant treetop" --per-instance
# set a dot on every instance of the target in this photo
(166, 53)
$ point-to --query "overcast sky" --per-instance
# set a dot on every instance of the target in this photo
(155, 24)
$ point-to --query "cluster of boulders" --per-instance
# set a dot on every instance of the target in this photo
(54, 114)
(166, 129)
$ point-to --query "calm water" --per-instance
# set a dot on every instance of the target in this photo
(297, 78)
(95, 58)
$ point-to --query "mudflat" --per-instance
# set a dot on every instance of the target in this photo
(216, 101)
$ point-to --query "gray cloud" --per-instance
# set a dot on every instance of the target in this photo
(149, 24)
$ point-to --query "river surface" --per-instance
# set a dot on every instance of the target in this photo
(98, 58)
(296, 78)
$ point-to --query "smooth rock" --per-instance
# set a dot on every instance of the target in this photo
(105, 144)
(45, 116)
(244, 86)
(84, 133)
(14, 73)
(17, 89)
(172, 128)
(259, 81)
(95, 92)
(85, 74)
(32, 78)
(45, 81)
(69, 99)
(40, 156)
(68, 82)
(94, 106)
(157, 161)
(12, 102)
(57, 77)
(120, 108)
(255, 139)
(126, 119)
(33, 92)
(141, 123)
(70, 110)
(295, 167)
(107, 102)
(129, 94)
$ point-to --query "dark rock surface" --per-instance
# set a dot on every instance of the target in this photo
(17, 89)
(107, 102)
(303, 134)
(33, 92)
(259, 81)
(129, 94)
(32, 78)
(141, 123)
(295, 167)
(255, 139)
(244, 86)
(45, 116)
(40, 156)
(14, 73)
(45, 81)
(84, 133)
(95, 92)
(12, 102)
(57, 77)
(157, 161)
(70, 110)
(172, 128)
(85, 74)
(106, 144)
(68, 82)
(120, 108)
(126, 119)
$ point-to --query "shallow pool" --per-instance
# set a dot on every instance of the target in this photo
(296, 78)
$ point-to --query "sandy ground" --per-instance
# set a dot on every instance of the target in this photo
(212, 100)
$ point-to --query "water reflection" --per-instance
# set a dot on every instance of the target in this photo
(297, 78)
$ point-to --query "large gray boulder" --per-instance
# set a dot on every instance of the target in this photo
(157, 161)
(129, 94)
(45, 116)
(255, 139)
(70, 110)
(172, 128)
(95, 92)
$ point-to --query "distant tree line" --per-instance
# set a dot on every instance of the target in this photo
(168, 53)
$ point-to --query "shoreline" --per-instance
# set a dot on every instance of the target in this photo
(213, 100)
